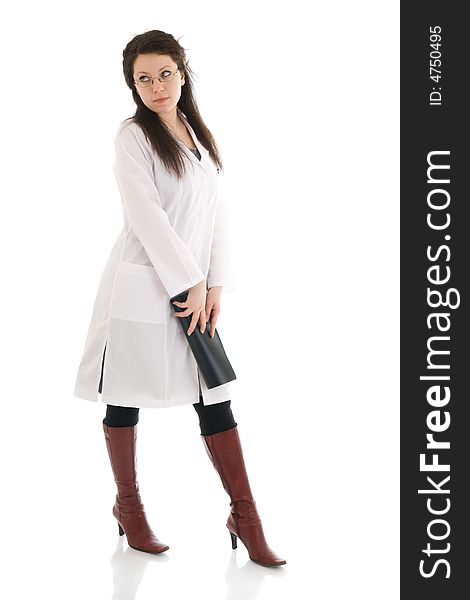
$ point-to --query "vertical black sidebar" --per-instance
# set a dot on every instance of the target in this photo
(434, 301)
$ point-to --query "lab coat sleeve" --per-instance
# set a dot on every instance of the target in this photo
(172, 260)
(222, 268)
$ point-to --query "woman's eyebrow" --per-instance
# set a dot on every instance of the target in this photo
(158, 69)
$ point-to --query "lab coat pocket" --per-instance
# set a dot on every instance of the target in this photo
(136, 356)
(139, 294)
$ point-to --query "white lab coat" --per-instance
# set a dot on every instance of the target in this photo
(175, 234)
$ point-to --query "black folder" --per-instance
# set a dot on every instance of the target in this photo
(208, 351)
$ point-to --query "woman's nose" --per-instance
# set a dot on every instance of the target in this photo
(157, 86)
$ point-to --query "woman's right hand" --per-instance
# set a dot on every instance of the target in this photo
(195, 304)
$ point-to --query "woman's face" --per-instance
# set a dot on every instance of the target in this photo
(161, 65)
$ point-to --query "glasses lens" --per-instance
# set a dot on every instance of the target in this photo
(143, 81)
(166, 75)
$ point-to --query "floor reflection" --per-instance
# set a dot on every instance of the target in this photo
(129, 566)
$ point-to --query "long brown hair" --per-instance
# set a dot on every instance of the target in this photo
(156, 132)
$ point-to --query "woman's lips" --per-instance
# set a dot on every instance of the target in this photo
(161, 99)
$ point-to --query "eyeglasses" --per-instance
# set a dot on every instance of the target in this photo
(146, 80)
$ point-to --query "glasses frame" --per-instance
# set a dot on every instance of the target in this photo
(139, 83)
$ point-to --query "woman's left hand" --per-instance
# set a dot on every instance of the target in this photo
(212, 307)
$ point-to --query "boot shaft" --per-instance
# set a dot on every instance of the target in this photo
(121, 444)
(225, 452)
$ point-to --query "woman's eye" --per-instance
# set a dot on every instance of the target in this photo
(143, 77)
(166, 71)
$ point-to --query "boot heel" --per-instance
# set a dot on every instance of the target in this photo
(121, 530)
(234, 540)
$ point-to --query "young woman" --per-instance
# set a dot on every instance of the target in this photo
(174, 239)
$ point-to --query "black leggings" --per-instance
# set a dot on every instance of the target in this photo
(213, 418)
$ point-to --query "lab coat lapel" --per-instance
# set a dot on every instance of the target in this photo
(202, 151)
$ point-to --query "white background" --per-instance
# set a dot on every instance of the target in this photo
(303, 100)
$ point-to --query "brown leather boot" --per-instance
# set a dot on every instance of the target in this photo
(128, 508)
(224, 450)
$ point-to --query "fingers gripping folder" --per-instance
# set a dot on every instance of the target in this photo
(208, 351)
